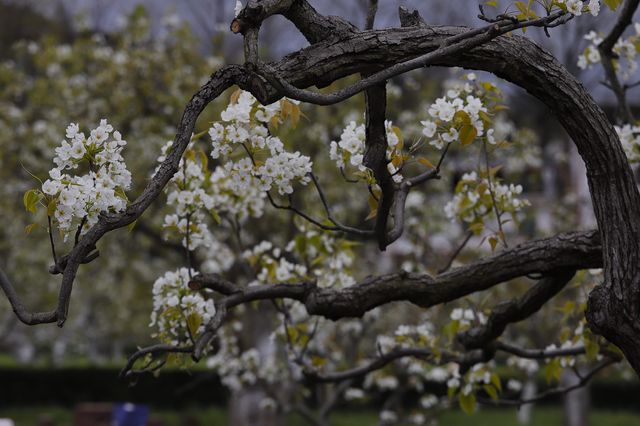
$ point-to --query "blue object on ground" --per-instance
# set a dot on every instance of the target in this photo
(128, 414)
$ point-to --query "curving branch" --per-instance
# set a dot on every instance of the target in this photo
(455, 44)
(516, 310)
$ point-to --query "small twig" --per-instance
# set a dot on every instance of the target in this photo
(79, 231)
(53, 245)
(455, 254)
(497, 212)
(555, 391)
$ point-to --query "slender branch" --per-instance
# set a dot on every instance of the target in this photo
(624, 20)
(516, 310)
(606, 52)
(456, 252)
(29, 318)
(496, 211)
(583, 380)
(53, 244)
(79, 230)
(539, 353)
(155, 350)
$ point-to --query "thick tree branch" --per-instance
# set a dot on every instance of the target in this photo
(564, 251)
(456, 44)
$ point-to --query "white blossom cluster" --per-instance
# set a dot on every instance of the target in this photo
(479, 375)
(448, 113)
(238, 369)
(349, 150)
(473, 200)
(330, 260)
(630, 138)
(624, 49)
(576, 7)
(420, 335)
(175, 305)
(101, 187)
(237, 192)
(186, 194)
(565, 361)
(529, 366)
(466, 316)
(245, 124)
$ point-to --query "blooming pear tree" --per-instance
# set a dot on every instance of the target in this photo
(331, 322)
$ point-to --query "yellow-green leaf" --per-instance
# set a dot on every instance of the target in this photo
(613, 4)
(194, 321)
(467, 134)
(491, 391)
(495, 380)
(30, 228)
(493, 241)
(51, 207)
(426, 162)
(30, 200)
(461, 119)
(295, 115)
(467, 402)
(552, 371)
(235, 96)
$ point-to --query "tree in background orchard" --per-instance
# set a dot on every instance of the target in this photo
(139, 83)
(286, 286)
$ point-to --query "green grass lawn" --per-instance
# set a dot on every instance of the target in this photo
(543, 416)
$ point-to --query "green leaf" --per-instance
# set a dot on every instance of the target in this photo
(31, 199)
(522, 7)
(451, 329)
(51, 207)
(467, 402)
(29, 228)
(613, 4)
(426, 162)
(451, 392)
(493, 241)
(461, 119)
(174, 360)
(215, 216)
(132, 225)
(592, 348)
(491, 391)
(467, 134)
(552, 371)
(495, 380)
(194, 321)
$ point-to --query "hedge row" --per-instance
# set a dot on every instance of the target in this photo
(178, 388)
(69, 386)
